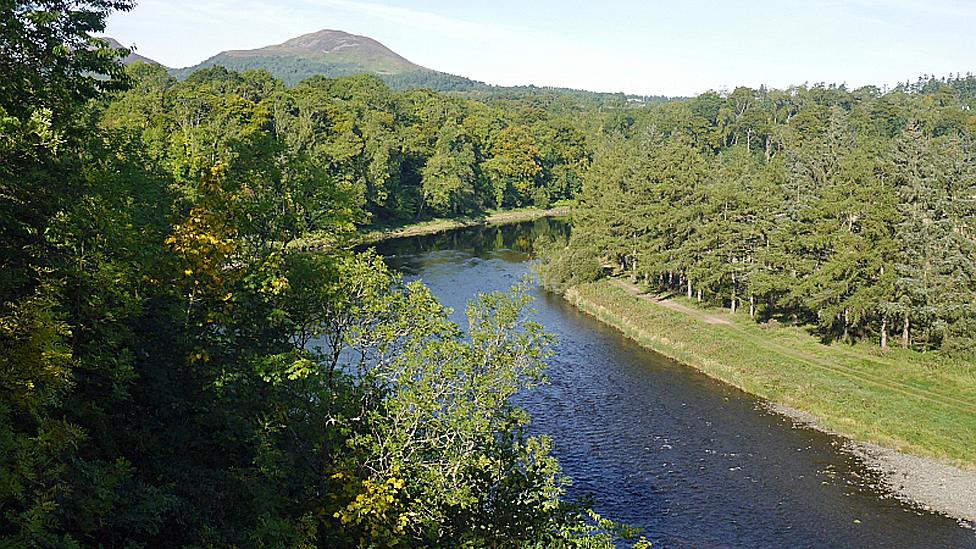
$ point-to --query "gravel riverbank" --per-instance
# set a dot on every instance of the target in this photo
(794, 370)
(926, 483)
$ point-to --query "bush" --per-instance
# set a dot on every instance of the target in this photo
(565, 265)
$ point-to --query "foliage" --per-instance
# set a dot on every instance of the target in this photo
(563, 266)
(175, 372)
(405, 156)
(850, 211)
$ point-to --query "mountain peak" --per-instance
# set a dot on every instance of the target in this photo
(336, 47)
(328, 40)
(334, 53)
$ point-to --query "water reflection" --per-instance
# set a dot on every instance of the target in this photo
(514, 241)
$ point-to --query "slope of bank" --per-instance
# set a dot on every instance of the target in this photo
(436, 226)
(902, 401)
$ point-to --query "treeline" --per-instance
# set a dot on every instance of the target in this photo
(852, 211)
(174, 373)
(405, 155)
(292, 70)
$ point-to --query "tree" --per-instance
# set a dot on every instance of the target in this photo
(179, 370)
(816, 203)
(854, 280)
(513, 167)
(53, 67)
(449, 175)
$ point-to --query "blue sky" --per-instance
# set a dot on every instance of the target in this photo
(644, 47)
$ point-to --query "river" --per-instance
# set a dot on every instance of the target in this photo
(690, 460)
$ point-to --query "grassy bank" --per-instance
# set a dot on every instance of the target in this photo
(378, 233)
(440, 225)
(918, 404)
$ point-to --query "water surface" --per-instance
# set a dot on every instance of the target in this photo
(694, 462)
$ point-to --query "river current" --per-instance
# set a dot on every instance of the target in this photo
(658, 445)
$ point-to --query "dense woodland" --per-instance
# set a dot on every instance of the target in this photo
(292, 70)
(175, 370)
(402, 155)
(853, 212)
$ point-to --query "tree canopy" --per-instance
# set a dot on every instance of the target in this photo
(175, 371)
(850, 211)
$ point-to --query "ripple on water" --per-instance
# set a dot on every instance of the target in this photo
(694, 462)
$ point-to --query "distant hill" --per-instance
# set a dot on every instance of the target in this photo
(334, 53)
(132, 57)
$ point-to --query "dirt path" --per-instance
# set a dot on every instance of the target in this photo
(673, 305)
(805, 357)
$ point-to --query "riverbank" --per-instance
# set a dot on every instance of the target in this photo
(437, 226)
(918, 412)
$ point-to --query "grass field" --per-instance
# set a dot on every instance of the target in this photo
(921, 404)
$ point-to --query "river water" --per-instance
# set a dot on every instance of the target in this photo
(692, 461)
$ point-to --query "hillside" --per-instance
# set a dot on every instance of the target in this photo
(333, 53)
(132, 57)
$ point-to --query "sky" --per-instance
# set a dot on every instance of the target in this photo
(646, 47)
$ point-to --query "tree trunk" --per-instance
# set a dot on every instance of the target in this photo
(689, 288)
(733, 294)
(884, 332)
(906, 339)
(847, 323)
(699, 295)
(752, 307)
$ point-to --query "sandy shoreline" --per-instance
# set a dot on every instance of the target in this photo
(437, 227)
(925, 483)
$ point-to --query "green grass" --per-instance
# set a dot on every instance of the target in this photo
(921, 404)
(444, 224)
(379, 231)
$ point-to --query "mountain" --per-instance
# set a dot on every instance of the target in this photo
(333, 53)
(132, 57)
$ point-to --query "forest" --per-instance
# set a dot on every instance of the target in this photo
(176, 370)
(173, 372)
(853, 212)
(401, 155)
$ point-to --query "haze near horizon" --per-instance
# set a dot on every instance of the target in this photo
(625, 45)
